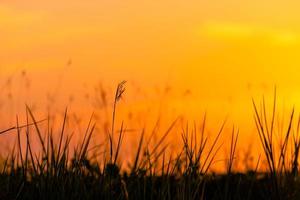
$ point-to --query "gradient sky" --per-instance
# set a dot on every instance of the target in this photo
(221, 53)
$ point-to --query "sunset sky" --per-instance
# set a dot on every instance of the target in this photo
(213, 56)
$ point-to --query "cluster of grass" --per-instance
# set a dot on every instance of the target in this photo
(59, 172)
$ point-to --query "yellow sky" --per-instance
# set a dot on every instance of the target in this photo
(224, 52)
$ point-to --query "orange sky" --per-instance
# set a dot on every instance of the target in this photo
(223, 52)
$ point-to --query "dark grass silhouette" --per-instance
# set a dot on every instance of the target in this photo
(58, 172)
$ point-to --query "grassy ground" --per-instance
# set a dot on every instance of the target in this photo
(58, 172)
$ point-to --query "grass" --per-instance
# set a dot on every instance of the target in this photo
(55, 171)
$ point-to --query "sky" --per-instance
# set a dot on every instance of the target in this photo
(211, 56)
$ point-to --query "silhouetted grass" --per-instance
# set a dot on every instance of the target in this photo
(58, 172)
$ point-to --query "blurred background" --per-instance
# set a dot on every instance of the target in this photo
(179, 58)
